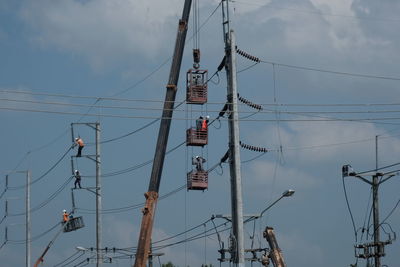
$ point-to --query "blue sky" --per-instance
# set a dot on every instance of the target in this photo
(328, 85)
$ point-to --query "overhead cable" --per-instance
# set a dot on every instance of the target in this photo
(349, 209)
(23, 241)
(332, 71)
(43, 175)
(45, 202)
(321, 118)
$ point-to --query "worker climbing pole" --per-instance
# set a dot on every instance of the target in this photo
(144, 241)
(196, 88)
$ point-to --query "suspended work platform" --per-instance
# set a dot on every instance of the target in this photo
(196, 137)
(196, 86)
(74, 224)
(197, 180)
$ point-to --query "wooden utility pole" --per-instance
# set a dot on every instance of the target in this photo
(151, 195)
(234, 149)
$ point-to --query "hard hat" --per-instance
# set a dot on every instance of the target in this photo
(64, 211)
(197, 157)
(76, 171)
(207, 117)
(76, 139)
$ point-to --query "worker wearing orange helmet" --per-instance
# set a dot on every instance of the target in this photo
(79, 142)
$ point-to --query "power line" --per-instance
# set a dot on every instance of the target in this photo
(69, 260)
(130, 207)
(44, 174)
(211, 103)
(349, 209)
(23, 241)
(260, 112)
(322, 119)
(45, 202)
(332, 71)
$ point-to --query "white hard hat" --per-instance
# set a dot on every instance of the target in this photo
(207, 117)
(76, 171)
(76, 139)
(64, 211)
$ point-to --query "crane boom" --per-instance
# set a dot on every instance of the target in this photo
(151, 196)
(40, 259)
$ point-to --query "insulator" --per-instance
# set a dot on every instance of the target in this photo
(248, 56)
(253, 148)
(249, 103)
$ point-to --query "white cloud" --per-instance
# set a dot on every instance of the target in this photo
(261, 177)
(103, 31)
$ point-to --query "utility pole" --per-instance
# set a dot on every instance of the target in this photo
(28, 218)
(377, 179)
(151, 195)
(96, 158)
(234, 150)
(98, 197)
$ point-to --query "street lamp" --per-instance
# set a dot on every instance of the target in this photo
(81, 249)
(287, 193)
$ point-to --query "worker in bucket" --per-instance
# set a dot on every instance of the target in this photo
(204, 123)
(79, 142)
(199, 123)
(198, 162)
(77, 179)
(65, 216)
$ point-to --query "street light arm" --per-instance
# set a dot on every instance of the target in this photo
(261, 214)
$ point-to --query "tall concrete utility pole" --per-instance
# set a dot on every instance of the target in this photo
(151, 195)
(98, 198)
(28, 219)
(97, 159)
(234, 149)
